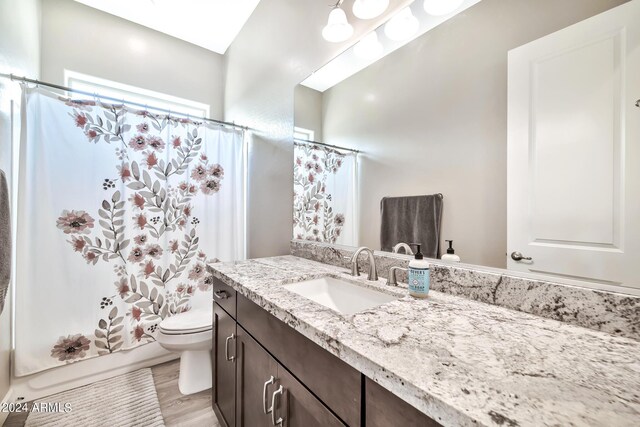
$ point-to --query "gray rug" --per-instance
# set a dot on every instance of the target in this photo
(125, 401)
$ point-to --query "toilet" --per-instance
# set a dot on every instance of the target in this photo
(190, 333)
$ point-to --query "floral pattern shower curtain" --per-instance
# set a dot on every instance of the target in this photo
(119, 213)
(324, 204)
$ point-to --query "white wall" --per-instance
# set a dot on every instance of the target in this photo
(432, 117)
(79, 38)
(19, 54)
(279, 46)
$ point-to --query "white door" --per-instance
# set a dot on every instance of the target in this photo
(573, 192)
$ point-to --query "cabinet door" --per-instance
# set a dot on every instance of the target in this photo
(385, 409)
(256, 381)
(297, 407)
(332, 380)
(224, 366)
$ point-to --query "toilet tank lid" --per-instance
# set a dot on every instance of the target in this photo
(189, 320)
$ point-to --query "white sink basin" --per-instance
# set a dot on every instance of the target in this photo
(339, 295)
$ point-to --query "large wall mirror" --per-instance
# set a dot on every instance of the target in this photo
(508, 127)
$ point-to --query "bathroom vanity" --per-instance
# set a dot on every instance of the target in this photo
(446, 360)
(266, 373)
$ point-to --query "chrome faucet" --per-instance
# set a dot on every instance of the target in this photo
(402, 245)
(392, 279)
(355, 271)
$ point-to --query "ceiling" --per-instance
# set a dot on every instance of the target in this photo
(211, 24)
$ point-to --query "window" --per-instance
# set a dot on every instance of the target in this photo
(138, 95)
(303, 134)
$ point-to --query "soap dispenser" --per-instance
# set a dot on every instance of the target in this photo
(418, 274)
(451, 254)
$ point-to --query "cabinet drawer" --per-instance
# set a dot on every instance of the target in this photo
(336, 383)
(225, 296)
(385, 409)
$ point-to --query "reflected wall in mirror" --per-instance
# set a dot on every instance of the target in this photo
(521, 116)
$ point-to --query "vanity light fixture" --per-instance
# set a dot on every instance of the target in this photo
(402, 26)
(338, 28)
(369, 47)
(369, 9)
(441, 7)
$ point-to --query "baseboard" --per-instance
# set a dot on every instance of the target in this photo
(7, 398)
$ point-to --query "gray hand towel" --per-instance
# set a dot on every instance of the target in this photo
(5, 240)
(412, 219)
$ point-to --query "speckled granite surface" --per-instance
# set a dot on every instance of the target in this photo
(462, 362)
(610, 312)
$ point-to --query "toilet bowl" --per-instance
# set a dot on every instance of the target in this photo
(190, 334)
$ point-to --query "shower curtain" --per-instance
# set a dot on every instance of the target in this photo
(324, 204)
(119, 213)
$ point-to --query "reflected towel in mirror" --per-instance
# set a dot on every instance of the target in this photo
(412, 219)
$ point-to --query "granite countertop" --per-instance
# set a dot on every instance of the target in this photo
(459, 361)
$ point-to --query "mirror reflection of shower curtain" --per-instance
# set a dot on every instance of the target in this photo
(325, 194)
(119, 211)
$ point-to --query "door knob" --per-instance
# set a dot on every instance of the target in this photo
(517, 256)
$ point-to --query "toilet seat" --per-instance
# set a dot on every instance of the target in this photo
(189, 322)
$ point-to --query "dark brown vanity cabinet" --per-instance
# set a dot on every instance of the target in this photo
(268, 374)
(385, 409)
(224, 366)
(250, 387)
(268, 395)
(332, 380)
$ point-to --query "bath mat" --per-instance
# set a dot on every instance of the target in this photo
(124, 401)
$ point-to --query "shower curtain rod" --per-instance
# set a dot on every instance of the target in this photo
(309, 142)
(123, 101)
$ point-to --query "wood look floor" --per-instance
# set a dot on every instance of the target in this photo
(193, 410)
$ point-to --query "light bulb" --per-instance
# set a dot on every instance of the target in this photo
(369, 47)
(337, 29)
(441, 7)
(401, 26)
(368, 9)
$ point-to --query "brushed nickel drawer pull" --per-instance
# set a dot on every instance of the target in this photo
(275, 394)
(226, 348)
(221, 294)
(264, 395)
